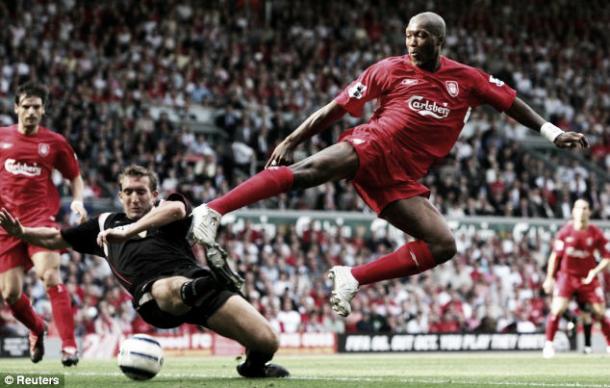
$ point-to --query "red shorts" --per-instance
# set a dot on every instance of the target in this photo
(568, 285)
(386, 172)
(15, 252)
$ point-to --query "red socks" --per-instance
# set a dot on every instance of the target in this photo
(24, 313)
(605, 324)
(62, 314)
(410, 259)
(552, 324)
(266, 184)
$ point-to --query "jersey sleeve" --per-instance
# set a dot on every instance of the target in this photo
(83, 238)
(368, 86)
(602, 244)
(179, 229)
(559, 244)
(490, 90)
(66, 161)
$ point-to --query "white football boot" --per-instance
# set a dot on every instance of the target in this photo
(345, 287)
(204, 225)
(549, 350)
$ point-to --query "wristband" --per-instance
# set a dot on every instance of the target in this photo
(550, 131)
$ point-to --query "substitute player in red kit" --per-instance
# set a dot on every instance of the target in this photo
(573, 269)
(424, 99)
(28, 154)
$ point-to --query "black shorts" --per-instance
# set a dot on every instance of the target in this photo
(211, 302)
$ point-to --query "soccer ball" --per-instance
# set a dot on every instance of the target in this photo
(140, 357)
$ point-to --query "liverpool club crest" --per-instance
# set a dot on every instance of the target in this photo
(452, 88)
(43, 149)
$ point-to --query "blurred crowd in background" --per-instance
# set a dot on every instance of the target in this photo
(128, 81)
(492, 285)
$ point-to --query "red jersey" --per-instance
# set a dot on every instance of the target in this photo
(422, 111)
(26, 165)
(575, 249)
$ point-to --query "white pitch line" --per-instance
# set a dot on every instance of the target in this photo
(456, 381)
(356, 379)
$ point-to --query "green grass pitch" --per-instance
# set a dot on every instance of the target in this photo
(365, 370)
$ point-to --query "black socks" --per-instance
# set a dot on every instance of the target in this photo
(257, 359)
(193, 291)
(254, 366)
(587, 332)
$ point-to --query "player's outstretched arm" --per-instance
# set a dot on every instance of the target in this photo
(42, 236)
(77, 205)
(593, 272)
(551, 270)
(166, 213)
(315, 123)
(526, 116)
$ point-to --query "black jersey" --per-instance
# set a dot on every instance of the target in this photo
(151, 254)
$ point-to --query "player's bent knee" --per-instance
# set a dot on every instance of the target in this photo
(557, 311)
(445, 251)
(161, 290)
(11, 295)
(264, 339)
(598, 313)
(267, 341)
(307, 174)
(166, 293)
(50, 277)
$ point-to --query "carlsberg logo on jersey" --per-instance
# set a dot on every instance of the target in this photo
(16, 168)
(425, 107)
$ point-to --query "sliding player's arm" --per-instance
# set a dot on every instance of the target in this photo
(45, 237)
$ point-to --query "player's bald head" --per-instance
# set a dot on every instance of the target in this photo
(431, 22)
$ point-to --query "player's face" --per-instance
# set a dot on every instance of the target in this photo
(29, 112)
(581, 211)
(136, 196)
(423, 47)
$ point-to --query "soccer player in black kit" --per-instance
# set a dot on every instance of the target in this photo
(147, 249)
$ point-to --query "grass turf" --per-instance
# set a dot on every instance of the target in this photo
(366, 370)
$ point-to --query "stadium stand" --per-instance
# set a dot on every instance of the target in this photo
(203, 94)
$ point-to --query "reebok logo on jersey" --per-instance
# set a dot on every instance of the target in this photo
(426, 108)
(16, 168)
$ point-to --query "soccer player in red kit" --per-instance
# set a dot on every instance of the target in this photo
(572, 271)
(424, 99)
(28, 154)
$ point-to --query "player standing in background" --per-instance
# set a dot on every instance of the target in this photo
(28, 154)
(572, 271)
(424, 99)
